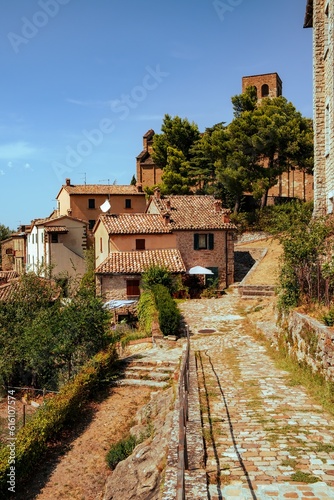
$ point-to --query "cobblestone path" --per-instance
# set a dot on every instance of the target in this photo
(264, 438)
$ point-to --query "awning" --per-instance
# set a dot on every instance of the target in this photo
(199, 270)
(116, 304)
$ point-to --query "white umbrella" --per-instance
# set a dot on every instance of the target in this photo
(199, 270)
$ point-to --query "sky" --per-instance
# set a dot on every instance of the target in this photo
(83, 80)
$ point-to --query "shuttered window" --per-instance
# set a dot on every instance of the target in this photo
(203, 241)
(132, 287)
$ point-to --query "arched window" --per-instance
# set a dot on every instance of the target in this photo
(264, 90)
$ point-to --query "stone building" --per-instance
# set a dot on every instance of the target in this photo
(320, 16)
(292, 184)
(267, 85)
(84, 201)
(147, 172)
(179, 232)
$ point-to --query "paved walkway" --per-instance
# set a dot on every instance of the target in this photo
(265, 438)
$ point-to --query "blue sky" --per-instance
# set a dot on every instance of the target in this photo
(83, 80)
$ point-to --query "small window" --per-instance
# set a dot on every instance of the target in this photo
(265, 90)
(140, 244)
(91, 224)
(132, 288)
(203, 241)
(91, 202)
(9, 251)
(54, 237)
(33, 238)
(101, 245)
(42, 237)
(128, 203)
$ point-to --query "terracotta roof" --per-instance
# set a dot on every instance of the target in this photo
(8, 275)
(191, 212)
(137, 262)
(96, 189)
(9, 290)
(135, 224)
(56, 229)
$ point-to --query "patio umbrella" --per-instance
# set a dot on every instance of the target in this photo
(199, 270)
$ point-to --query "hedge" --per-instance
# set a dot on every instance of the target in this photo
(169, 314)
(32, 440)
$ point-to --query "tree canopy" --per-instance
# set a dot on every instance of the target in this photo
(264, 140)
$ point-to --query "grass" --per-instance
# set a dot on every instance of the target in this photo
(304, 477)
(297, 374)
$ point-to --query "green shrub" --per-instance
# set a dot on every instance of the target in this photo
(328, 318)
(147, 311)
(169, 314)
(121, 450)
(31, 440)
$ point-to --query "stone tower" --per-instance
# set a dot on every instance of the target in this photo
(267, 85)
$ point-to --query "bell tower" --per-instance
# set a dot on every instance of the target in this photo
(267, 85)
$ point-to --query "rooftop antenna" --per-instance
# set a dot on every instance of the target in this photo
(104, 180)
(84, 176)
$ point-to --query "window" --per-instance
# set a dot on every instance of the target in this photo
(127, 203)
(132, 287)
(33, 238)
(101, 245)
(91, 202)
(140, 244)
(264, 90)
(91, 224)
(54, 237)
(42, 237)
(203, 241)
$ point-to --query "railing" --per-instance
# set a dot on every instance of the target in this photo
(183, 418)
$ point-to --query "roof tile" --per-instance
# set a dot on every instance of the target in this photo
(192, 212)
(96, 189)
(137, 262)
(135, 224)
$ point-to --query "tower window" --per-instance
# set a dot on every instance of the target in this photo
(91, 202)
(264, 90)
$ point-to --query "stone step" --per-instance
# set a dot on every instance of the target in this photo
(141, 382)
(146, 375)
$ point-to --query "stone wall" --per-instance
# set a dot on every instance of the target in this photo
(323, 111)
(310, 342)
(222, 255)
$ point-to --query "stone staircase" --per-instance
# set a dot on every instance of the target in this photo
(256, 290)
(154, 368)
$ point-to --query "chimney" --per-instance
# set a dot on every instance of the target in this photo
(166, 217)
(68, 182)
(168, 204)
(218, 206)
(139, 188)
(226, 217)
(157, 193)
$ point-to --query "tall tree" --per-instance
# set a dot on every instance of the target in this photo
(263, 143)
(5, 232)
(177, 133)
